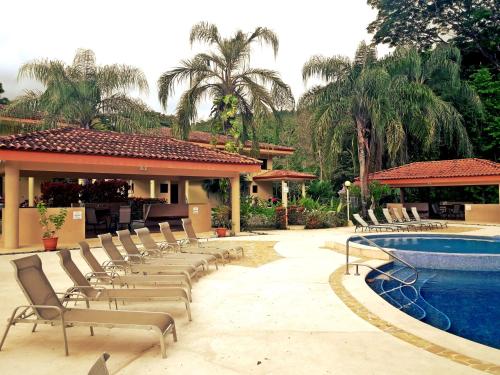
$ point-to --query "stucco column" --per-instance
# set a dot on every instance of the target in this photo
(402, 195)
(31, 191)
(284, 194)
(11, 211)
(186, 190)
(303, 189)
(235, 203)
(152, 189)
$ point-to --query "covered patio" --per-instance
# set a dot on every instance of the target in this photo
(83, 154)
(447, 173)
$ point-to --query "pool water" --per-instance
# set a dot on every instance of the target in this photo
(437, 243)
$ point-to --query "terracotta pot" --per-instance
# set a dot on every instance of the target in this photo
(50, 244)
(221, 232)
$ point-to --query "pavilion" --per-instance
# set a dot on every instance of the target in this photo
(71, 152)
(447, 173)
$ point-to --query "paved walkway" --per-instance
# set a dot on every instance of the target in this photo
(280, 318)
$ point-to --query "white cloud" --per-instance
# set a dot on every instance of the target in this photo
(153, 35)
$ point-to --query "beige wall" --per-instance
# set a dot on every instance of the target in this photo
(141, 188)
(264, 190)
(482, 213)
(30, 231)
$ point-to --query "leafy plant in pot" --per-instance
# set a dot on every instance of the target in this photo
(221, 222)
(50, 225)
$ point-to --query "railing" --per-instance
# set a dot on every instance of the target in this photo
(356, 264)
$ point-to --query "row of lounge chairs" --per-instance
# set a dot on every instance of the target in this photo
(396, 222)
(155, 272)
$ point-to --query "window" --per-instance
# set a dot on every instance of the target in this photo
(255, 189)
(264, 164)
(163, 188)
(174, 193)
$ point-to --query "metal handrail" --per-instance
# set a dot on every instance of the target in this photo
(375, 268)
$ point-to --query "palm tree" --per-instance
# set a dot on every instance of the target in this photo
(84, 93)
(380, 103)
(224, 73)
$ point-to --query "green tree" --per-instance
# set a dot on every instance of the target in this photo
(379, 102)
(84, 93)
(472, 24)
(226, 70)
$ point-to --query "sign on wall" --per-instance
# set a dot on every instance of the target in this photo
(77, 215)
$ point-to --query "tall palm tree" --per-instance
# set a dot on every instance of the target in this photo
(84, 93)
(380, 103)
(224, 72)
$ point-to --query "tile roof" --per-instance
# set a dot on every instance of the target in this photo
(283, 174)
(440, 169)
(206, 137)
(72, 140)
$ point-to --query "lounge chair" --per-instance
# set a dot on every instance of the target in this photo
(360, 223)
(45, 307)
(196, 242)
(99, 367)
(402, 220)
(390, 220)
(375, 221)
(151, 247)
(101, 275)
(92, 293)
(419, 220)
(133, 266)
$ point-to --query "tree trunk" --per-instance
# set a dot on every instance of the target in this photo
(364, 161)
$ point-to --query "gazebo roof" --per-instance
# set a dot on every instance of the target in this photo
(457, 172)
(71, 140)
(283, 174)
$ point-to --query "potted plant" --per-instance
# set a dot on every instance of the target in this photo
(50, 225)
(221, 220)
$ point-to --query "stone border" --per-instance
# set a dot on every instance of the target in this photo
(336, 283)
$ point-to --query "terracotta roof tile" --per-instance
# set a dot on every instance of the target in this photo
(440, 169)
(282, 174)
(206, 137)
(80, 141)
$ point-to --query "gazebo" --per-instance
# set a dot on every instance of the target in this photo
(283, 175)
(71, 152)
(444, 173)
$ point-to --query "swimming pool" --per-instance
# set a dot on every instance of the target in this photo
(458, 286)
(438, 251)
(464, 303)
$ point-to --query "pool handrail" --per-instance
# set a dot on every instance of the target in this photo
(392, 255)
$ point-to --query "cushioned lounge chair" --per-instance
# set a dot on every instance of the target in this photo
(45, 307)
(196, 243)
(419, 220)
(129, 265)
(102, 275)
(375, 221)
(154, 254)
(92, 293)
(360, 223)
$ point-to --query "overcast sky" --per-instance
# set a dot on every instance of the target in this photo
(154, 35)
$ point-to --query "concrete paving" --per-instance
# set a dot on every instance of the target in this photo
(279, 318)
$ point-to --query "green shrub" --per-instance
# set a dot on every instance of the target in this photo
(296, 215)
(318, 219)
(280, 217)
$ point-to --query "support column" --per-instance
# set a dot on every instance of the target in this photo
(152, 189)
(186, 190)
(11, 211)
(402, 195)
(31, 191)
(235, 203)
(303, 189)
(284, 194)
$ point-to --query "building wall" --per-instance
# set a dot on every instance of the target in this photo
(482, 213)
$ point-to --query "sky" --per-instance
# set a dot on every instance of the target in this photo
(154, 35)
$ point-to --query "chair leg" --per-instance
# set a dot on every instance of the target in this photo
(9, 324)
(34, 328)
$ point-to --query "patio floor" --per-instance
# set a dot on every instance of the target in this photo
(281, 317)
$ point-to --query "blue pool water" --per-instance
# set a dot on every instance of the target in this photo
(465, 303)
(455, 244)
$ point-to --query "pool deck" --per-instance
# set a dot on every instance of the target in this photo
(282, 318)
